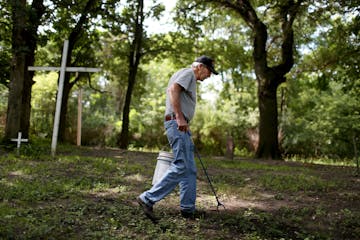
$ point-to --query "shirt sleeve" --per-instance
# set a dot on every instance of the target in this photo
(184, 79)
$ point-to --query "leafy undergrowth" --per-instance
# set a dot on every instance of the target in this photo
(90, 194)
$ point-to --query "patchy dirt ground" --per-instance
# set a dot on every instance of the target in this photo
(331, 203)
(348, 197)
(89, 193)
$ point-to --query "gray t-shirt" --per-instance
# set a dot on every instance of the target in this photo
(185, 78)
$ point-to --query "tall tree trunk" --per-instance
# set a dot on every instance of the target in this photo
(268, 147)
(24, 40)
(134, 60)
(124, 135)
(36, 12)
(269, 78)
(16, 86)
(73, 40)
(15, 96)
(64, 105)
(26, 100)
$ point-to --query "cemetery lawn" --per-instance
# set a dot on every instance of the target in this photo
(86, 193)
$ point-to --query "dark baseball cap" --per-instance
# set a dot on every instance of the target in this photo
(208, 62)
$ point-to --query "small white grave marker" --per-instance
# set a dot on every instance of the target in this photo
(19, 140)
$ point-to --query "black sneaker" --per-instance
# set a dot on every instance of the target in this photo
(147, 210)
(193, 215)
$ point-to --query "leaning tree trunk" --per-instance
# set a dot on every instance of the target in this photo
(64, 105)
(123, 140)
(74, 37)
(134, 61)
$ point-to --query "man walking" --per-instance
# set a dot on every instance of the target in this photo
(180, 109)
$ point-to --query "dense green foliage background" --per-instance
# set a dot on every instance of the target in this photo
(319, 104)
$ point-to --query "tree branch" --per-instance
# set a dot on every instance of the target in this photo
(288, 14)
(248, 14)
(243, 7)
(93, 88)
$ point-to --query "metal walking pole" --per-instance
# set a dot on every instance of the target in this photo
(210, 183)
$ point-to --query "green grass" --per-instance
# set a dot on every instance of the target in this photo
(73, 196)
(271, 177)
(323, 161)
(295, 183)
(234, 164)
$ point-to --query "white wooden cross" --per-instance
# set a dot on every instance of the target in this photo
(19, 140)
(62, 70)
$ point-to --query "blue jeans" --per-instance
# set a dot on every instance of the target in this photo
(182, 171)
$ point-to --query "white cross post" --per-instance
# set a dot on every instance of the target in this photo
(79, 119)
(18, 140)
(62, 70)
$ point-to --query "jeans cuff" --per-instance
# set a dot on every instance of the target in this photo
(146, 200)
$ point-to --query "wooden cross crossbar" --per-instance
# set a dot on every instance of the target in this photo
(67, 69)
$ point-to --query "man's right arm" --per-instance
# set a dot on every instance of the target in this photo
(174, 92)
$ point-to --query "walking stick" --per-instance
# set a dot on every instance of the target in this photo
(208, 178)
